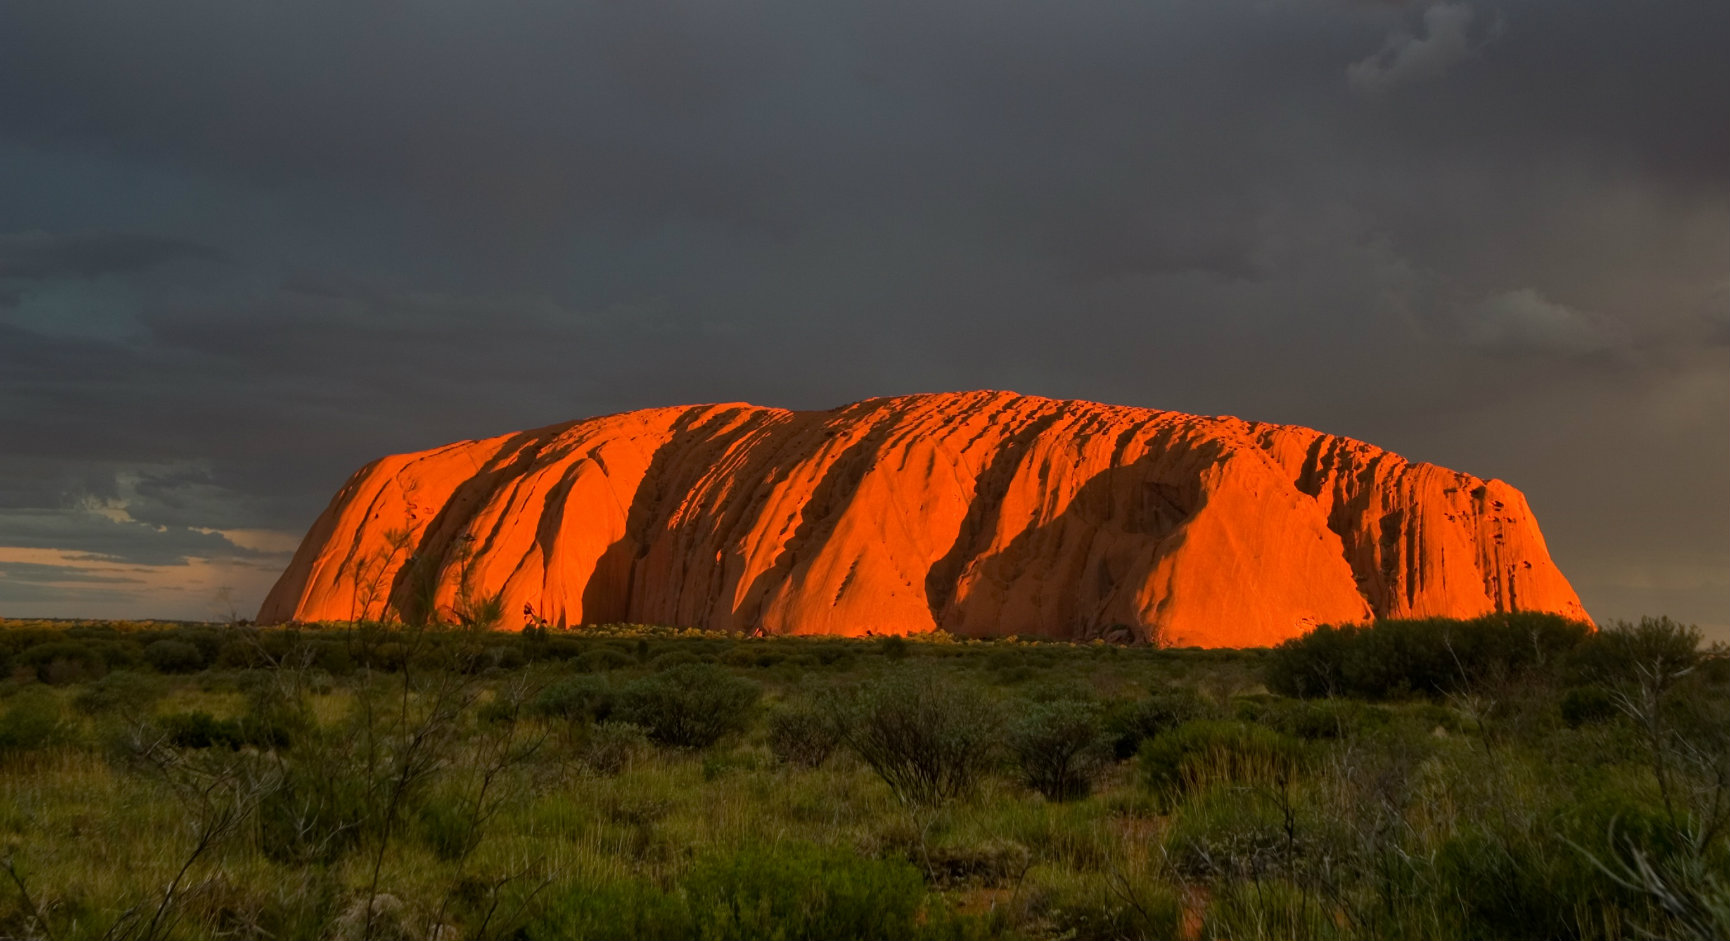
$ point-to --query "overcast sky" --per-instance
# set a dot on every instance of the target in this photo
(245, 248)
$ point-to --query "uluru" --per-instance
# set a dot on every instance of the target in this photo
(976, 513)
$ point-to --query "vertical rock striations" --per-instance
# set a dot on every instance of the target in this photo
(978, 513)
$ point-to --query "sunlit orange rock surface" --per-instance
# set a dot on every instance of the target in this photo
(978, 513)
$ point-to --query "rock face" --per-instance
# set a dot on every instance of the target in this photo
(978, 513)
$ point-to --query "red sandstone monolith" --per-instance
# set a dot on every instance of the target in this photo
(977, 513)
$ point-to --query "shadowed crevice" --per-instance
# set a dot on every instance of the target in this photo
(984, 511)
(413, 586)
(1137, 502)
(611, 592)
(834, 491)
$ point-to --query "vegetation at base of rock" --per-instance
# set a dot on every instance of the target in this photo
(365, 781)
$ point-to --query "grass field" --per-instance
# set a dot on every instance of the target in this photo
(1506, 778)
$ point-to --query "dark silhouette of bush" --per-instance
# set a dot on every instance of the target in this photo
(803, 734)
(1129, 724)
(1588, 705)
(691, 705)
(1431, 657)
(333, 658)
(1617, 653)
(894, 647)
(64, 662)
(1059, 747)
(174, 656)
(200, 729)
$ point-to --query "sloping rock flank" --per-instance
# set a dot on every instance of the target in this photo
(979, 513)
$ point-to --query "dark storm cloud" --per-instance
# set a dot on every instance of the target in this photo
(1481, 233)
(37, 574)
(1407, 57)
(40, 256)
(106, 531)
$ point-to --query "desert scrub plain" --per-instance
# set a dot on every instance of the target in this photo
(1511, 777)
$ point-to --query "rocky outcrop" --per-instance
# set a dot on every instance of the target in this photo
(979, 513)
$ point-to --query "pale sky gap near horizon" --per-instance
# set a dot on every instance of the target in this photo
(246, 248)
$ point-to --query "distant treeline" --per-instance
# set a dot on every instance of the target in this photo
(1384, 660)
(1437, 657)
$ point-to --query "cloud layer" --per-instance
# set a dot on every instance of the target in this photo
(244, 249)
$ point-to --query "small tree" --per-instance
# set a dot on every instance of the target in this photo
(802, 734)
(927, 738)
(1059, 747)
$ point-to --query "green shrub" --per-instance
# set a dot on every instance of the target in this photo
(447, 826)
(333, 657)
(606, 658)
(717, 764)
(1313, 720)
(761, 656)
(802, 734)
(1554, 879)
(1209, 751)
(1588, 705)
(672, 658)
(316, 813)
(795, 892)
(122, 691)
(503, 657)
(740, 657)
(389, 656)
(576, 699)
(201, 730)
(1117, 910)
(836, 654)
(1059, 747)
(798, 891)
(561, 648)
(1129, 724)
(1620, 652)
(1501, 887)
(1429, 657)
(1268, 908)
(691, 705)
(894, 647)
(927, 737)
(621, 910)
(31, 720)
(174, 656)
(610, 747)
(64, 662)
(991, 864)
